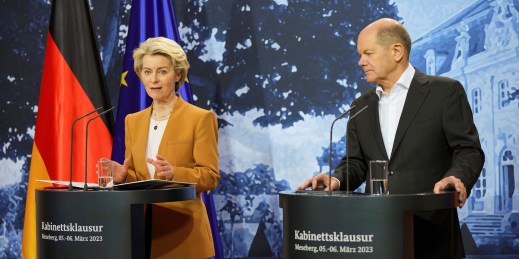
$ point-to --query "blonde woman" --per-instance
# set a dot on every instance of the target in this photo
(171, 140)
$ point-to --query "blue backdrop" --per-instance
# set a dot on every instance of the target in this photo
(277, 73)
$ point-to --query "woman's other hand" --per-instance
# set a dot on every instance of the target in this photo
(163, 168)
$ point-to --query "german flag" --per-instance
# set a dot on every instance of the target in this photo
(72, 85)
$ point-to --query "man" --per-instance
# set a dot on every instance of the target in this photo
(421, 124)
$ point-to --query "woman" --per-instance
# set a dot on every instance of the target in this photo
(171, 140)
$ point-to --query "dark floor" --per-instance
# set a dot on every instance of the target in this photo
(492, 256)
(468, 257)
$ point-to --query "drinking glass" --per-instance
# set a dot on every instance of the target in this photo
(378, 176)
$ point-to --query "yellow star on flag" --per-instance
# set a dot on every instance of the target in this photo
(123, 81)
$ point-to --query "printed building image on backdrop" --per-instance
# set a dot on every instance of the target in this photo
(478, 46)
(277, 73)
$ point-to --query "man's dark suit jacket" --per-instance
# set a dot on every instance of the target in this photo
(436, 137)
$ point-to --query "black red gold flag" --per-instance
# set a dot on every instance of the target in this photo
(72, 84)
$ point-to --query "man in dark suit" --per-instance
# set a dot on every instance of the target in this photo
(421, 124)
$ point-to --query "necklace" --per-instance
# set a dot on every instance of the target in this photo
(157, 121)
(162, 116)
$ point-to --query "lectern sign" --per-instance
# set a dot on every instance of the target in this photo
(335, 242)
(96, 224)
(71, 232)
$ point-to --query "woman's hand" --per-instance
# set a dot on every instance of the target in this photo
(163, 168)
(120, 171)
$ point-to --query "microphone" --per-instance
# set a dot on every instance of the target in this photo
(70, 187)
(348, 155)
(85, 188)
(331, 137)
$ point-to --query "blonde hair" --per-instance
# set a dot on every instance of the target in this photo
(166, 47)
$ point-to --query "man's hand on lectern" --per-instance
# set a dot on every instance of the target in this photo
(320, 182)
(452, 183)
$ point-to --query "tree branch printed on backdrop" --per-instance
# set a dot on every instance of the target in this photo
(285, 60)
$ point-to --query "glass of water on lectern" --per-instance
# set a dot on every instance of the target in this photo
(105, 174)
(378, 174)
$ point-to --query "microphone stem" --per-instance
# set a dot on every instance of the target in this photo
(85, 188)
(330, 160)
(70, 187)
(331, 149)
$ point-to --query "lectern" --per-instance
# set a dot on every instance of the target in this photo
(97, 224)
(319, 225)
